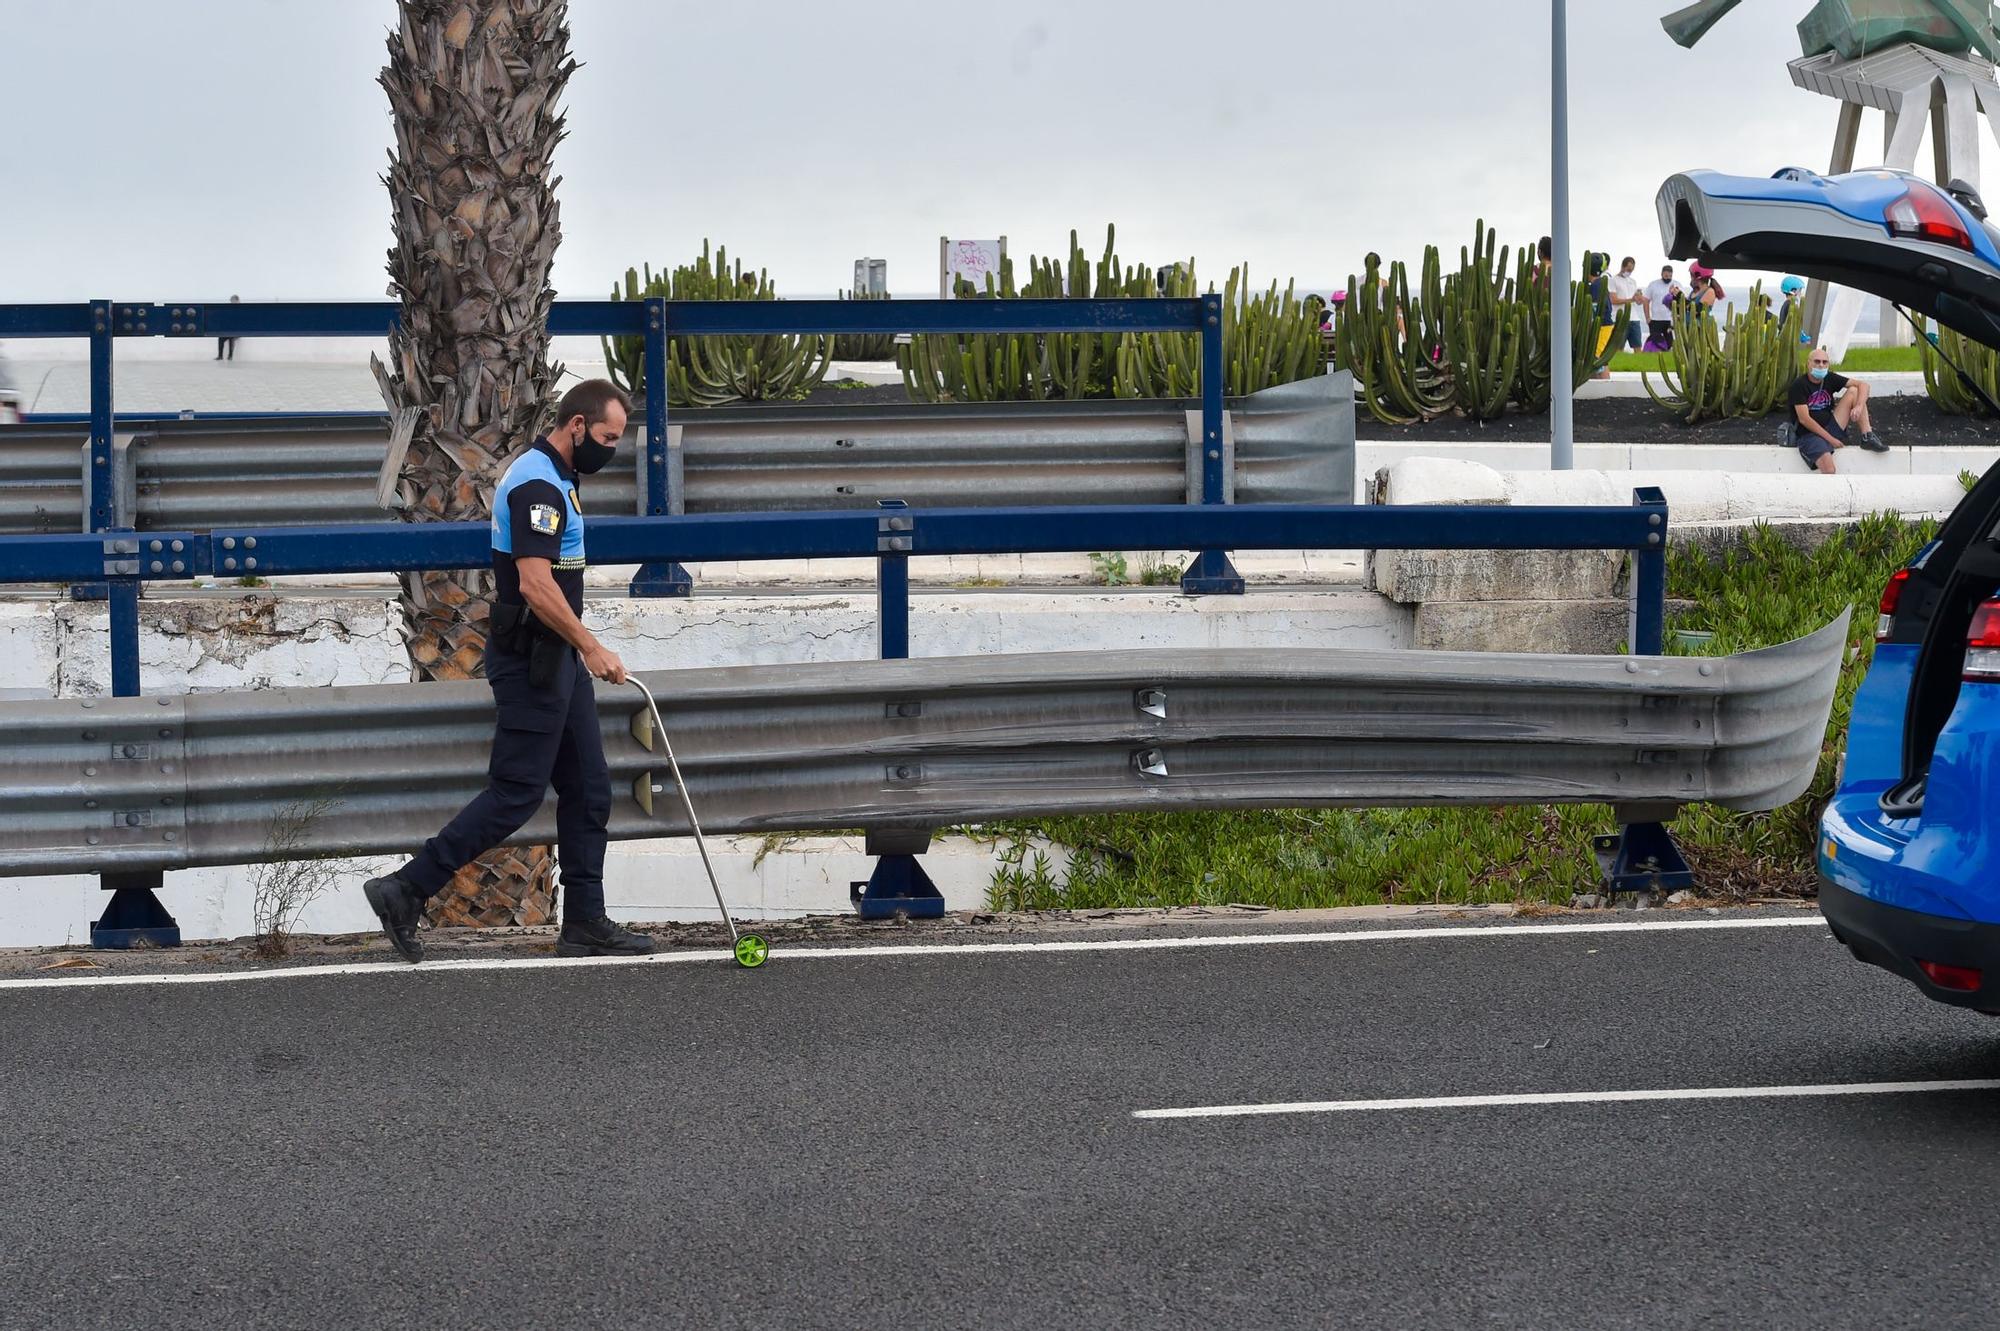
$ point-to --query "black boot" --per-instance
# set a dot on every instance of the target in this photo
(400, 907)
(600, 937)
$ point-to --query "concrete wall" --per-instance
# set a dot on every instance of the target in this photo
(1577, 601)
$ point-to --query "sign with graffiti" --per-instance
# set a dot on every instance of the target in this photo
(970, 261)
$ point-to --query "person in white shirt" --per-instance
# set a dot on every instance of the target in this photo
(1625, 299)
(1660, 297)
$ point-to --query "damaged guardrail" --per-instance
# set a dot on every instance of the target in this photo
(1292, 444)
(147, 784)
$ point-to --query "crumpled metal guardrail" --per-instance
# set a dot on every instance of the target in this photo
(1293, 444)
(132, 784)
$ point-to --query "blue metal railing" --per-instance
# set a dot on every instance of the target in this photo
(655, 320)
(119, 560)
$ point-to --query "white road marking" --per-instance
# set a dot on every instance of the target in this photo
(1573, 1098)
(782, 953)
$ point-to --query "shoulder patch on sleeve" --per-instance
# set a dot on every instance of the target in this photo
(543, 518)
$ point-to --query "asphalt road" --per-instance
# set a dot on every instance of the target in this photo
(948, 1141)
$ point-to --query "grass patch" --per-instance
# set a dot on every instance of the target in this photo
(1859, 360)
(1764, 592)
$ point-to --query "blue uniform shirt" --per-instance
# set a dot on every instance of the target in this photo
(537, 513)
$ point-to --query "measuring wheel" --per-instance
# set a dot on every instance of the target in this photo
(751, 950)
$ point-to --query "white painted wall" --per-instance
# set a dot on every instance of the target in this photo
(1923, 460)
(644, 881)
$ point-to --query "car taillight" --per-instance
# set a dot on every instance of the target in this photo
(1965, 979)
(1891, 594)
(1925, 214)
(1982, 644)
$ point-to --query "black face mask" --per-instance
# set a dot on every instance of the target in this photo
(588, 456)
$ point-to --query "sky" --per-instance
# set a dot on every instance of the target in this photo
(202, 148)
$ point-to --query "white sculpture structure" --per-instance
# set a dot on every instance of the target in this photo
(1911, 85)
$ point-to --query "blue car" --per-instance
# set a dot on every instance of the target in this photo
(1909, 847)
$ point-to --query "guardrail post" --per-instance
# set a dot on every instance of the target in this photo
(898, 885)
(1642, 856)
(661, 498)
(1210, 572)
(1649, 575)
(134, 916)
(895, 533)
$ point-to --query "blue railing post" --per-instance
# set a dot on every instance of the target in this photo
(894, 536)
(898, 885)
(1210, 572)
(121, 557)
(134, 916)
(1642, 856)
(1649, 575)
(103, 484)
(662, 495)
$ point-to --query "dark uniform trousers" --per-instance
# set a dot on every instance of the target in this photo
(544, 737)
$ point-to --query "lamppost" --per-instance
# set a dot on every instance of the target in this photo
(1562, 448)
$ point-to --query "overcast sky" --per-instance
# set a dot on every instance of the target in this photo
(199, 148)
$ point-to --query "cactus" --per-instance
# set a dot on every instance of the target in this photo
(1534, 390)
(1268, 338)
(1733, 365)
(864, 346)
(1388, 343)
(1978, 360)
(710, 371)
(1484, 328)
(1474, 342)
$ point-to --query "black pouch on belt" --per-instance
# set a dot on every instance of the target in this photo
(545, 658)
(513, 627)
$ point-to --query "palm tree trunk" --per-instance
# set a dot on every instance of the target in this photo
(473, 89)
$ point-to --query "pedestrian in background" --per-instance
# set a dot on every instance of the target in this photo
(1707, 291)
(1625, 300)
(1595, 264)
(1793, 289)
(1660, 296)
(227, 344)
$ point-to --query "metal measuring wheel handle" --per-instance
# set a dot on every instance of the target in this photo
(749, 950)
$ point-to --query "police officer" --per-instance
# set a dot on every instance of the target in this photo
(539, 661)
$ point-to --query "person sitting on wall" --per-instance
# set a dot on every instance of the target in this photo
(1823, 404)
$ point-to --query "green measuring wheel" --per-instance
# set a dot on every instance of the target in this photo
(751, 950)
